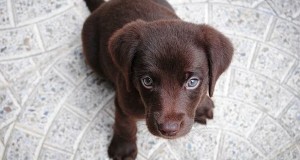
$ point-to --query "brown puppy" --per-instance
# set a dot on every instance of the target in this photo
(162, 67)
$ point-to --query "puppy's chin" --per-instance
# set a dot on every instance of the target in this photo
(185, 129)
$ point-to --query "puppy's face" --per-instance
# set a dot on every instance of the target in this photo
(171, 78)
(172, 64)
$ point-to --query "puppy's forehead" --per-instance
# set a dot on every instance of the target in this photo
(172, 56)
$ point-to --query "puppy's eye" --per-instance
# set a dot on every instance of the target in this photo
(147, 82)
(192, 83)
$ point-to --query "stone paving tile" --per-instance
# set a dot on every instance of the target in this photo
(291, 118)
(291, 153)
(244, 3)
(288, 9)
(259, 5)
(269, 137)
(41, 108)
(5, 19)
(287, 36)
(234, 116)
(243, 51)
(9, 109)
(234, 145)
(198, 144)
(89, 90)
(46, 60)
(5, 133)
(1, 150)
(293, 80)
(163, 153)
(96, 139)
(50, 154)
(147, 143)
(19, 41)
(272, 63)
(65, 130)
(22, 77)
(22, 145)
(29, 10)
(222, 84)
(193, 13)
(55, 33)
(73, 66)
(256, 89)
(237, 20)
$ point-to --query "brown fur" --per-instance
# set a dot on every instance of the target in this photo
(124, 40)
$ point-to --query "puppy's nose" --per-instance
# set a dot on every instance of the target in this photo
(169, 128)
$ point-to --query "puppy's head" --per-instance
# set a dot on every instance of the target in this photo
(173, 65)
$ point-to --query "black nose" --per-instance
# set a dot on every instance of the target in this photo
(169, 128)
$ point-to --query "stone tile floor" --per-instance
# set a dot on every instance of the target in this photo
(52, 106)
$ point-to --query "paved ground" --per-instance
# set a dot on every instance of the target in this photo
(53, 107)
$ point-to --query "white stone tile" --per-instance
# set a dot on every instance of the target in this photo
(245, 3)
(96, 139)
(198, 144)
(286, 36)
(110, 107)
(264, 6)
(18, 42)
(258, 90)
(291, 118)
(192, 13)
(291, 153)
(65, 130)
(237, 148)
(240, 21)
(286, 9)
(297, 19)
(293, 80)
(94, 90)
(1, 150)
(73, 65)
(5, 133)
(30, 10)
(41, 107)
(147, 143)
(5, 19)
(268, 136)
(9, 109)
(22, 77)
(46, 60)
(61, 30)
(174, 2)
(243, 51)
(222, 84)
(163, 153)
(17, 68)
(81, 8)
(49, 154)
(272, 63)
(234, 116)
(22, 145)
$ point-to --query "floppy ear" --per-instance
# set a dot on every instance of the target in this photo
(219, 51)
(122, 47)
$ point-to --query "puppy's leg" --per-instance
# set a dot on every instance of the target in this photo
(204, 110)
(123, 143)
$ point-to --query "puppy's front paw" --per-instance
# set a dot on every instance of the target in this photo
(122, 149)
(205, 111)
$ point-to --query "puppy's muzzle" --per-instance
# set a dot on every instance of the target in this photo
(169, 125)
(169, 128)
